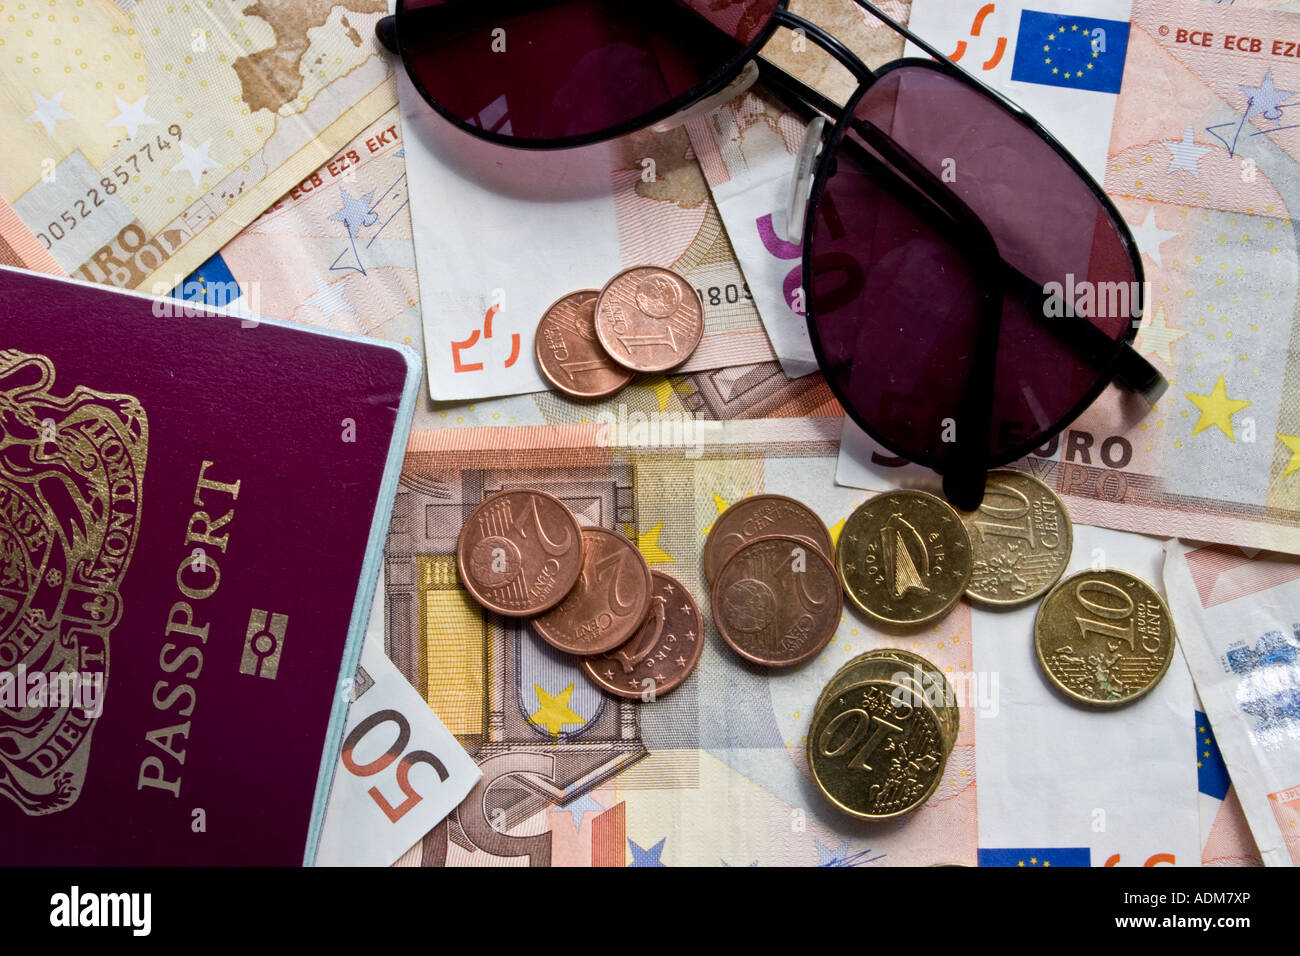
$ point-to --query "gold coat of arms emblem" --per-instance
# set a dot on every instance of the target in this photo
(72, 464)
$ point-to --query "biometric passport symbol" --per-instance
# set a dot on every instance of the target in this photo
(71, 479)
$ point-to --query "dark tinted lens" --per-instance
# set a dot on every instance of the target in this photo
(932, 176)
(559, 69)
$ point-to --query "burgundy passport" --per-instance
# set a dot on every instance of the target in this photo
(192, 510)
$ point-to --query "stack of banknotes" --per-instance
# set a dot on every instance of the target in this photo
(276, 162)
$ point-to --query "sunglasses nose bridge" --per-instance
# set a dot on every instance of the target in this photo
(801, 183)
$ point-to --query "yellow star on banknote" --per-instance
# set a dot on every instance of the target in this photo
(663, 390)
(1217, 409)
(1292, 443)
(648, 542)
(722, 504)
(1157, 337)
(554, 712)
(836, 530)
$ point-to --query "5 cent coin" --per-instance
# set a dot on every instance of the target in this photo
(519, 552)
(608, 603)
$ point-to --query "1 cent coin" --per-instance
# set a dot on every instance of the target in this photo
(649, 319)
(904, 558)
(1104, 637)
(777, 601)
(608, 603)
(1021, 540)
(661, 654)
(757, 516)
(569, 354)
(519, 552)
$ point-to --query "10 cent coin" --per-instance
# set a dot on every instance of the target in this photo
(1021, 538)
(904, 558)
(1104, 637)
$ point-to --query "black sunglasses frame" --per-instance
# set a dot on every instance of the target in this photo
(963, 478)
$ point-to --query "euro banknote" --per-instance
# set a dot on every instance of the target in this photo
(400, 772)
(142, 136)
(1226, 839)
(336, 252)
(1072, 785)
(1201, 164)
(502, 234)
(1236, 613)
(713, 773)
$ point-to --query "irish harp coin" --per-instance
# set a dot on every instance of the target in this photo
(569, 354)
(760, 515)
(649, 319)
(1104, 637)
(777, 601)
(1021, 540)
(519, 552)
(608, 603)
(904, 558)
(661, 654)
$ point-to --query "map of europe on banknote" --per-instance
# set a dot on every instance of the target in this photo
(141, 136)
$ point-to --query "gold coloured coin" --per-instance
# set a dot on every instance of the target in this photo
(875, 750)
(906, 668)
(904, 558)
(1021, 540)
(1104, 637)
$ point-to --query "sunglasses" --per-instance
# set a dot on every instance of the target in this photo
(969, 289)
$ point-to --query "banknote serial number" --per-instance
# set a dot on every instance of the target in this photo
(731, 294)
(80, 209)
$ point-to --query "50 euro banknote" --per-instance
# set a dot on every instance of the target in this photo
(141, 137)
(715, 772)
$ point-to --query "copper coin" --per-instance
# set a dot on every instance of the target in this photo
(648, 319)
(569, 354)
(777, 601)
(661, 654)
(756, 517)
(519, 552)
(608, 603)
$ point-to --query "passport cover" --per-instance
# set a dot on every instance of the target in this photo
(192, 512)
